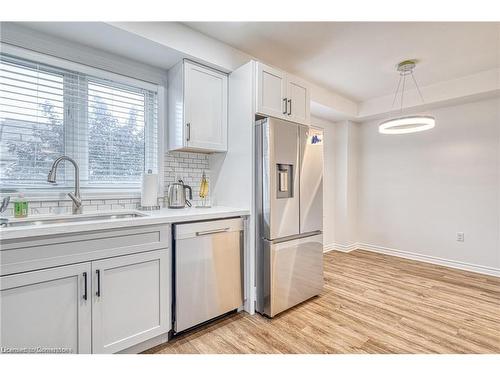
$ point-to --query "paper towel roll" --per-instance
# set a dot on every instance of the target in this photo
(149, 191)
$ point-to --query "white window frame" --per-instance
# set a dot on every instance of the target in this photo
(42, 193)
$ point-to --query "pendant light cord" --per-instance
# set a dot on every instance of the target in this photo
(418, 88)
(402, 93)
(402, 77)
(396, 93)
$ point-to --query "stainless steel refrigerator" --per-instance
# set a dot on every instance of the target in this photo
(289, 200)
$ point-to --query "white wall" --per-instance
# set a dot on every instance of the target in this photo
(339, 184)
(328, 178)
(416, 191)
(344, 150)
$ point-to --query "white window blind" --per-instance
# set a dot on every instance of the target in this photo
(108, 127)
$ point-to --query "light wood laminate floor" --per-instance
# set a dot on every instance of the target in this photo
(371, 303)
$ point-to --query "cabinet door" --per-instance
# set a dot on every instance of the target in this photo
(298, 101)
(271, 91)
(205, 108)
(47, 309)
(129, 296)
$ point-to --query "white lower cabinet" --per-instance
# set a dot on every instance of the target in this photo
(129, 298)
(101, 306)
(47, 309)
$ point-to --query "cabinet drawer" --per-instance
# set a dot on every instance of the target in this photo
(50, 251)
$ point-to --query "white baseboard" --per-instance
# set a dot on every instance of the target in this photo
(414, 256)
(340, 247)
(430, 259)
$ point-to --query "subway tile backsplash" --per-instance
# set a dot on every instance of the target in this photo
(187, 166)
(64, 206)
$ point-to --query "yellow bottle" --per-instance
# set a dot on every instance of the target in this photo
(203, 188)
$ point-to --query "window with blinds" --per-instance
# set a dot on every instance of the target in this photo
(108, 127)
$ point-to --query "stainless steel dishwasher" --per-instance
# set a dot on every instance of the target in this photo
(208, 271)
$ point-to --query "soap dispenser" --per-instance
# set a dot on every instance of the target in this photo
(20, 206)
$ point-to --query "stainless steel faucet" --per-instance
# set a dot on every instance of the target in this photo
(75, 197)
(5, 203)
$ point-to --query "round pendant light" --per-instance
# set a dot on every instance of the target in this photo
(407, 124)
(410, 123)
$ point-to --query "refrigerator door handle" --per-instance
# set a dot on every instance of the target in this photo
(294, 237)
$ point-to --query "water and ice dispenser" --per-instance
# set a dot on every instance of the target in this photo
(284, 175)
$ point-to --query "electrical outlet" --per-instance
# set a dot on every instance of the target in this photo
(460, 237)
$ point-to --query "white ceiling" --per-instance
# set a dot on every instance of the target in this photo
(357, 59)
(110, 39)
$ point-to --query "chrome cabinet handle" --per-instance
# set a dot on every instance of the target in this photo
(206, 232)
(188, 125)
(85, 286)
(286, 106)
(98, 292)
(290, 107)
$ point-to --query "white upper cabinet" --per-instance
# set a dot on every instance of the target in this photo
(197, 112)
(298, 99)
(282, 95)
(271, 95)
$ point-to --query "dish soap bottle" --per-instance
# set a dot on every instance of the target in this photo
(20, 206)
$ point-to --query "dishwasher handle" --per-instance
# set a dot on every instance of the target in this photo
(207, 232)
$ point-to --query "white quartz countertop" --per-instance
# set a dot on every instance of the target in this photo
(163, 216)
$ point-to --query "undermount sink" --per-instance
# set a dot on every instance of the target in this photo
(69, 219)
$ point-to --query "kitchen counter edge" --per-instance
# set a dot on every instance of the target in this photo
(163, 216)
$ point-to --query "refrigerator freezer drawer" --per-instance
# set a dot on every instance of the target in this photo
(208, 276)
(295, 272)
